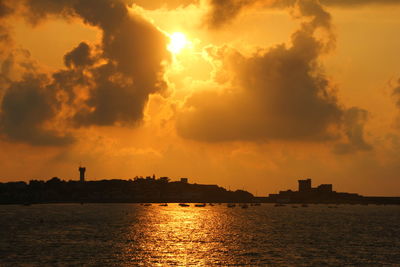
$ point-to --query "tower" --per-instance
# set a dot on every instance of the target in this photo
(305, 185)
(82, 174)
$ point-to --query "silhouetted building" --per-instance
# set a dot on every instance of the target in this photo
(305, 185)
(325, 188)
(139, 190)
(164, 179)
(82, 174)
(322, 194)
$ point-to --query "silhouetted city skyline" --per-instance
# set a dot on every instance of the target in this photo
(162, 189)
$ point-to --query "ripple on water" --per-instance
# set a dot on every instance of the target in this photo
(129, 234)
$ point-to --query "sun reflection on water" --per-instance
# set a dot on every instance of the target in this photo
(177, 235)
(135, 235)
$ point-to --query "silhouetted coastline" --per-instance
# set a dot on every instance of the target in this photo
(162, 190)
(324, 193)
(137, 190)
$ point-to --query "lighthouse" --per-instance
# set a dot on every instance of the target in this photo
(82, 174)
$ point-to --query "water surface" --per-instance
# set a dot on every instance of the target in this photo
(131, 234)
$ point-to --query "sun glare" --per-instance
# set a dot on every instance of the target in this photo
(178, 42)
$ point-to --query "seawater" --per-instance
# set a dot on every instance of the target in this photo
(134, 235)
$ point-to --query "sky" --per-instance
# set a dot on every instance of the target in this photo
(246, 94)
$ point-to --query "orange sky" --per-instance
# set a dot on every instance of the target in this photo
(257, 96)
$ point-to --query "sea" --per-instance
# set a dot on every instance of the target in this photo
(138, 235)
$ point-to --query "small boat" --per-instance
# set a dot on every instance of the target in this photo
(184, 205)
(211, 204)
(147, 204)
(231, 205)
(304, 205)
(200, 205)
(256, 204)
(163, 205)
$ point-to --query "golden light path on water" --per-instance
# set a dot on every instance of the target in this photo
(138, 235)
(179, 235)
(218, 235)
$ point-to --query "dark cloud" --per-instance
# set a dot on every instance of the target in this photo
(349, 3)
(223, 11)
(157, 4)
(5, 9)
(133, 52)
(79, 57)
(396, 96)
(278, 94)
(112, 100)
(29, 105)
(396, 93)
(26, 108)
(281, 93)
(354, 120)
(116, 76)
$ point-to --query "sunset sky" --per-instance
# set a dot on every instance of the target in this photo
(246, 94)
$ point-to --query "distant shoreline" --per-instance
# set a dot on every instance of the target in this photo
(188, 202)
(162, 190)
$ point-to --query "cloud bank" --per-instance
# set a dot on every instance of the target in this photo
(103, 84)
(222, 12)
(281, 93)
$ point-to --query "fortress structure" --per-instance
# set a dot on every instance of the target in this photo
(305, 186)
(307, 194)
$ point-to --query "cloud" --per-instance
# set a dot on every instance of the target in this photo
(396, 96)
(26, 108)
(222, 12)
(349, 3)
(354, 121)
(79, 56)
(5, 9)
(157, 4)
(103, 84)
(396, 93)
(133, 50)
(281, 93)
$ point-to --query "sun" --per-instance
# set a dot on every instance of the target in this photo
(178, 42)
